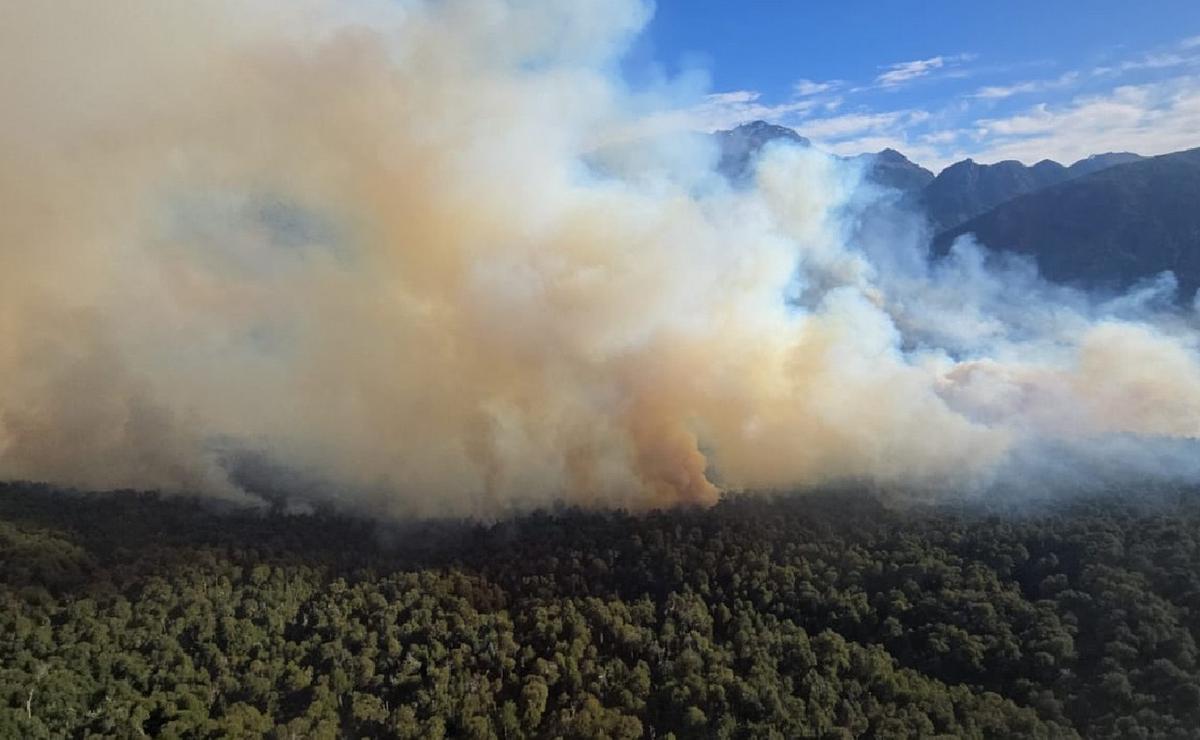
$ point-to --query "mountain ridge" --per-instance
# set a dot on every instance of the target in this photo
(1109, 229)
(959, 192)
(966, 189)
(1107, 221)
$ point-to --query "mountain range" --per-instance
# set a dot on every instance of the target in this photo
(967, 189)
(1108, 229)
(1107, 221)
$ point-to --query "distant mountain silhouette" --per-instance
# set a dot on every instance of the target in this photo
(1109, 228)
(1098, 162)
(892, 169)
(739, 146)
(1106, 221)
(960, 192)
(966, 189)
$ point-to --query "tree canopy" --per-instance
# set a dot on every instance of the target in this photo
(829, 616)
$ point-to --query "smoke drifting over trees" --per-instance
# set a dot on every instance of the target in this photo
(429, 257)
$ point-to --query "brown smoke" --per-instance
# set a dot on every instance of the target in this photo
(372, 243)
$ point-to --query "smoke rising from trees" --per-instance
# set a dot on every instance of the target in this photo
(424, 258)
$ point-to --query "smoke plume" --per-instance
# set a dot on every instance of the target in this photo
(423, 259)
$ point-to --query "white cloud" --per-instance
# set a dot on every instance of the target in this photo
(1148, 117)
(804, 88)
(736, 97)
(902, 72)
(1028, 86)
(837, 127)
(1160, 61)
(834, 128)
(724, 110)
(1153, 118)
(941, 137)
(919, 153)
(1155, 60)
(856, 133)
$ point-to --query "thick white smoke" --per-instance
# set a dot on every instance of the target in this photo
(409, 256)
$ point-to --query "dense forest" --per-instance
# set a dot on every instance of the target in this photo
(831, 616)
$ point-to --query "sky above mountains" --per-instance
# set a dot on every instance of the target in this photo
(938, 80)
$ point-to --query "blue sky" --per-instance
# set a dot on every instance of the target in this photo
(938, 80)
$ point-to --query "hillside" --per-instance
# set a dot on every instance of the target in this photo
(812, 616)
(1106, 229)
